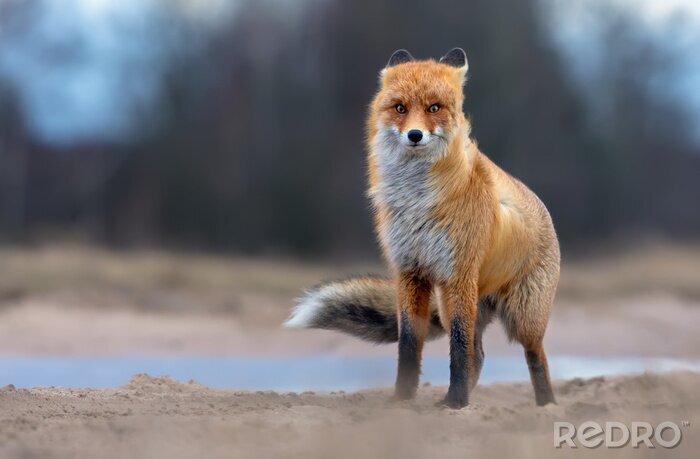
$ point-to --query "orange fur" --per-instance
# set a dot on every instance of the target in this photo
(465, 241)
(503, 239)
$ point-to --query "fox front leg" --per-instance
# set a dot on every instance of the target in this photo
(413, 295)
(461, 308)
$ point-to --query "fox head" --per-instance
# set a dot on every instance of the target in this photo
(418, 108)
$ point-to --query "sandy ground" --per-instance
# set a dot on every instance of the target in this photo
(159, 418)
(77, 301)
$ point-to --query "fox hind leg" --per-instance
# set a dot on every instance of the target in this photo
(539, 374)
(524, 311)
(485, 312)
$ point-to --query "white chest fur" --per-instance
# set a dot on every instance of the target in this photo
(412, 238)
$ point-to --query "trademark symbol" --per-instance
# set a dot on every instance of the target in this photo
(685, 423)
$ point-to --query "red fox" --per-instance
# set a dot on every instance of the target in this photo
(464, 240)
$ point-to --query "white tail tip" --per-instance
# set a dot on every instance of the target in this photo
(304, 313)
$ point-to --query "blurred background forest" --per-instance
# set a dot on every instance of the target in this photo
(238, 126)
(173, 173)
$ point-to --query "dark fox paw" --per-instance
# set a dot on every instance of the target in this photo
(453, 401)
(404, 393)
(405, 389)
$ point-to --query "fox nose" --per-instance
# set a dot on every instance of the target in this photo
(415, 135)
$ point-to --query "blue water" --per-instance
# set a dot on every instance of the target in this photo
(308, 373)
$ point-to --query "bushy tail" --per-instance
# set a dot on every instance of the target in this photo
(364, 307)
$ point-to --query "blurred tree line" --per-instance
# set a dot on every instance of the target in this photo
(258, 142)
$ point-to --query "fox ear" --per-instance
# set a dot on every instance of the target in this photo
(456, 57)
(399, 57)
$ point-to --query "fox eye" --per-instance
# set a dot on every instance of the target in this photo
(401, 108)
(433, 108)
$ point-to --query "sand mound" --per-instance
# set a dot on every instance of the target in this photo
(160, 417)
(144, 383)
